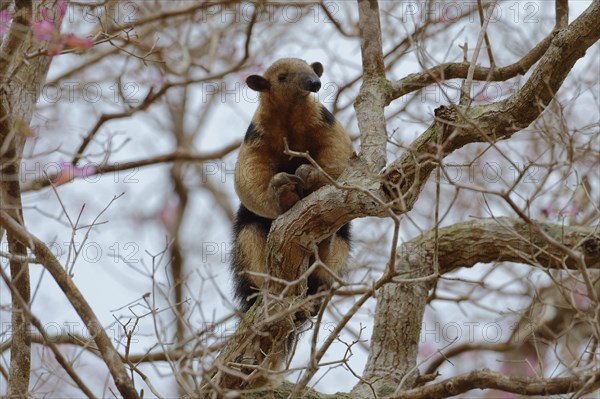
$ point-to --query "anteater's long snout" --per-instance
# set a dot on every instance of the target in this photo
(313, 84)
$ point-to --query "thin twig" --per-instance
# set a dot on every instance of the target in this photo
(466, 89)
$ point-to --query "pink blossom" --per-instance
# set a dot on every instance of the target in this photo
(168, 214)
(504, 368)
(5, 17)
(533, 365)
(450, 14)
(251, 70)
(62, 7)
(87, 170)
(48, 29)
(68, 172)
(572, 209)
(81, 43)
(582, 299)
(549, 211)
(55, 47)
(427, 349)
(57, 17)
(43, 30)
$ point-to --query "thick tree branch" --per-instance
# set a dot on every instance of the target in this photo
(17, 81)
(370, 101)
(459, 70)
(394, 342)
(393, 346)
(269, 341)
(502, 240)
(357, 193)
(484, 379)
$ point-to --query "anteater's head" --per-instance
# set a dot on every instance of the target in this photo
(288, 80)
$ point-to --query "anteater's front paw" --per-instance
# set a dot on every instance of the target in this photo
(310, 176)
(286, 190)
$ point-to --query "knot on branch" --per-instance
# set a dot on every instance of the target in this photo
(398, 182)
(591, 247)
(450, 387)
(445, 114)
(448, 118)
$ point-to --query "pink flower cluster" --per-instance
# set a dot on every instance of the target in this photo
(69, 172)
(5, 17)
(48, 30)
(550, 212)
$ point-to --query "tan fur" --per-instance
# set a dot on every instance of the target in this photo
(252, 245)
(268, 182)
(334, 255)
(283, 115)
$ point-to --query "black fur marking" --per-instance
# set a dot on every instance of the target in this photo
(315, 284)
(244, 292)
(251, 134)
(345, 233)
(245, 217)
(327, 116)
(243, 289)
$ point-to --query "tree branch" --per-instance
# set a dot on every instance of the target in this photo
(357, 193)
(460, 349)
(485, 379)
(459, 70)
(178, 155)
(38, 325)
(44, 254)
(466, 89)
(502, 240)
(405, 178)
(393, 348)
(17, 81)
(370, 101)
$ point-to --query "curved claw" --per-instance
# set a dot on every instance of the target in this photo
(296, 179)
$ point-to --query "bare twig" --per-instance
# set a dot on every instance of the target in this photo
(38, 325)
(466, 89)
(95, 170)
(83, 309)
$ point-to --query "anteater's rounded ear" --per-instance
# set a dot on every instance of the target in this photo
(318, 68)
(258, 83)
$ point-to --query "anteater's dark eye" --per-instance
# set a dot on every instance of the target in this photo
(282, 77)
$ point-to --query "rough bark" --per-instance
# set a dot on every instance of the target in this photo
(370, 101)
(395, 338)
(485, 379)
(19, 89)
(400, 305)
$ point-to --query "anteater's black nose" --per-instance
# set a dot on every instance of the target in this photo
(314, 85)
